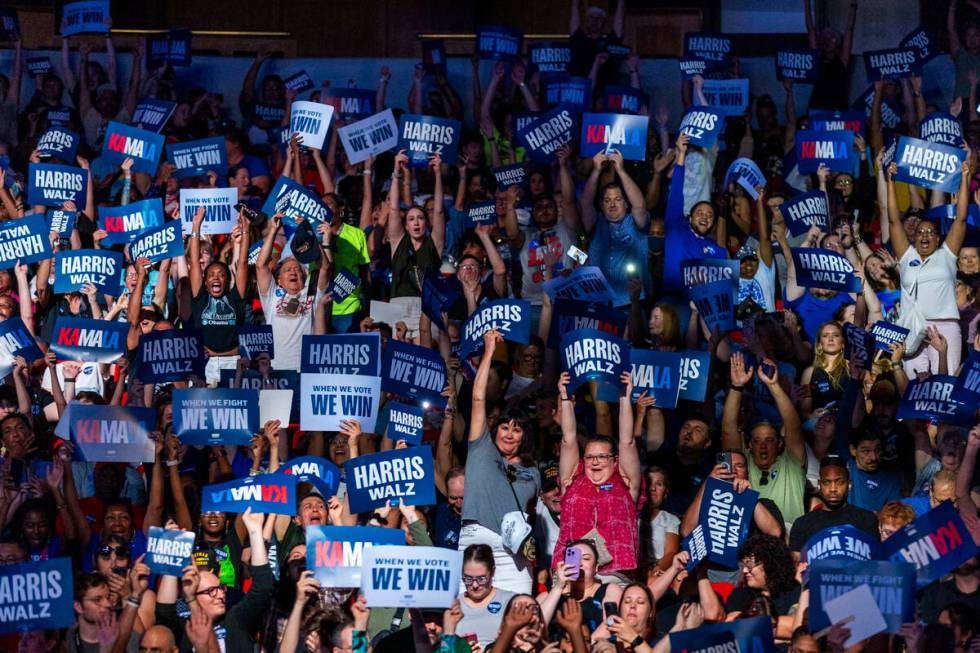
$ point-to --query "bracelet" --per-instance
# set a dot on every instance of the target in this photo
(69, 380)
(366, 173)
(896, 364)
(173, 463)
(567, 398)
(133, 602)
(195, 234)
(253, 472)
(737, 387)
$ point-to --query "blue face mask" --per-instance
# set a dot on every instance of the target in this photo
(655, 243)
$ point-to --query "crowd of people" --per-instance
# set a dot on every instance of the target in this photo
(611, 488)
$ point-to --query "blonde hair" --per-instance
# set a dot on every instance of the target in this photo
(838, 364)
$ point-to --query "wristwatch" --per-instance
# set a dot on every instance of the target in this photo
(637, 641)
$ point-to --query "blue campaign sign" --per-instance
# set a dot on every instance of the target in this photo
(550, 56)
(798, 65)
(891, 113)
(352, 103)
(967, 386)
(334, 553)
(399, 475)
(206, 416)
(173, 48)
(695, 546)
(692, 66)
(414, 372)
(571, 314)
(158, 244)
(804, 211)
(511, 317)
(52, 184)
(940, 127)
(24, 240)
(123, 223)
(887, 334)
(929, 165)
(83, 339)
(112, 433)
(152, 114)
(821, 268)
(832, 149)
(512, 175)
(318, 472)
(265, 493)
(59, 143)
(60, 221)
(607, 132)
(498, 42)
(590, 354)
(716, 304)
(587, 284)
(695, 367)
(543, 136)
(696, 271)
(438, 295)
(932, 398)
(100, 267)
(746, 173)
(658, 373)
(702, 126)
(479, 213)
(752, 635)
(423, 136)
(405, 422)
(894, 63)
(16, 340)
(299, 82)
(168, 552)
(624, 99)
(38, 65)
(944, 214)
(920, 39)
(434, 55)
(839, 542)
(573, 92)
(84, 17)
(934, 544)
(823, 120)
(729, 96)
(49, 603)
(343, 285)
(294, 200)
(195, 158)
(892, 585)
(725, 518)
(171, 355)
(122, 142)
(715, 49)
(255, 339)
(342, 353)
(858, 343)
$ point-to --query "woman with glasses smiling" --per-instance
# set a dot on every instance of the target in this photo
(481, 602)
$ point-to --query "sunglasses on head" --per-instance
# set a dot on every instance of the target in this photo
(120, 551)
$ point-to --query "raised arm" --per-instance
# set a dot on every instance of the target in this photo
(951, 31)
(569, 453)
(619, 18)
(395, 227)
(629, 458)
(16, 74)
(896, 232)
(478, 411)
(438, 205)
(765, 235)
(248, 85)
(574, 18)
(848, 43)
(957, 230)
(587, 203)
(792, 428)
(66, 70)
(381, 93)
(740, 377)
(241, 270)
(793, 290)
(811, 29)
(194, 252)
(634, 194)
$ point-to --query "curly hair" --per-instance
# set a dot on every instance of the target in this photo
(775, 558)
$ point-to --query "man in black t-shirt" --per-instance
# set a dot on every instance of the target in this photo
(834, 484)
(588, 39)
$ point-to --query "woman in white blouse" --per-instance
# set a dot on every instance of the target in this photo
(928, 275)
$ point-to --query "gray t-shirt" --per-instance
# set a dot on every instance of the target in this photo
(488, 494)
(484, 621)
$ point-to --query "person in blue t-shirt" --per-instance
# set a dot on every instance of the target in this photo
(686, 238)
(619, 239)
(873, 484)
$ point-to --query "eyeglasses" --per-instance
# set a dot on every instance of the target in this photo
(749, 564)
(476, 580)
(599, 458)
(843, 182)
(121, 551)
(212, 592)
(764, 479)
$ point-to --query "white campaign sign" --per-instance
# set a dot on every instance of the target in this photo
(411, 576)
(310, 120)
(329, 399)
(373, 135)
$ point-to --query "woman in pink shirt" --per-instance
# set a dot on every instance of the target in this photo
(601, 486)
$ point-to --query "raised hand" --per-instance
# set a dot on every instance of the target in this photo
(740, 376)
